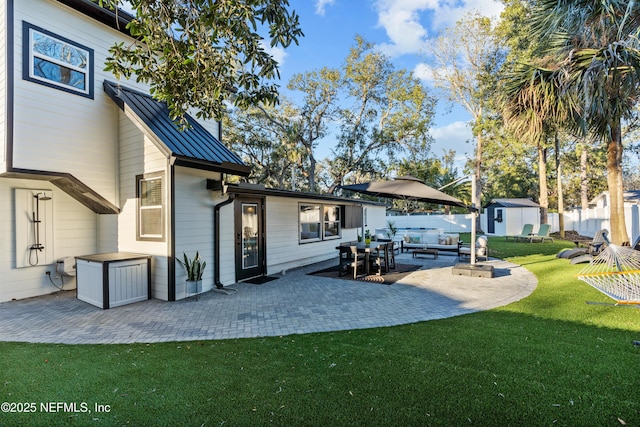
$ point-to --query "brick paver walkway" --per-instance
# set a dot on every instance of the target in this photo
(295, 303)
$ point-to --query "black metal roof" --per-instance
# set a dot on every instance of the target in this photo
(194, 147)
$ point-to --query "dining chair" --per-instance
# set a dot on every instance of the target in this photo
(391, 257)
(351, 259)
(377, 258)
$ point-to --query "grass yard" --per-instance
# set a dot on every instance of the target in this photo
(548, 360)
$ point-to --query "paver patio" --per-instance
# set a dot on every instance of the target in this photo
(295, 303)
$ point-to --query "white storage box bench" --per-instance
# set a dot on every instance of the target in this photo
(113, 279)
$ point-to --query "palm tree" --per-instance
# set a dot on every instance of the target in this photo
(595, 52)
(534, 109)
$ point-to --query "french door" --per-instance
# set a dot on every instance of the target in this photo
(249, 236)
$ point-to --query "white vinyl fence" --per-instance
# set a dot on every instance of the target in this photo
(448, 223)
(586, 223)
(589, 221)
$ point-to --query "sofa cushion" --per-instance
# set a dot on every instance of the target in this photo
(430, 238)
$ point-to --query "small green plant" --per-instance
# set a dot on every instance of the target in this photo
(195, 267)
(392, 229)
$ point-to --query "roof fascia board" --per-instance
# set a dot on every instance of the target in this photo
(235, 189)
(70, 185)
(118, 21)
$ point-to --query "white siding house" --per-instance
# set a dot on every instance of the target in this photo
(75, 151)
(89, 165)
(287, 237)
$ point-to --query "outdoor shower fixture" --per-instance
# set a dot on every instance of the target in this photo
(37, 245)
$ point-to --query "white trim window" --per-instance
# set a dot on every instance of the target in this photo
(331, 223)
(150, 224)
(319, 222)
(310, 224)
(57, 62)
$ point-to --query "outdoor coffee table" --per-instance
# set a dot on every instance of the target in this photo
(433, 252)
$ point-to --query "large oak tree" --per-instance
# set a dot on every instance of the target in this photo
(200, 53)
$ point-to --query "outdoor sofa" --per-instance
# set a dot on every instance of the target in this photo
(430, 239)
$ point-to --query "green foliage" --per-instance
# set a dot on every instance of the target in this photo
(389, 114)
(193, 266)
(383, 113)
(391, 225)
(594, 66)
(265, 137)
(436, 173)
(201, 53)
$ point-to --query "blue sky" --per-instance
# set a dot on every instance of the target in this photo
(401, 29)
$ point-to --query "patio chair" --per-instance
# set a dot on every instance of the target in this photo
(598, 243)
(542, 234)
(350, 259)
(376, 258)
(482, 249)
(391, 255)
(527, 229)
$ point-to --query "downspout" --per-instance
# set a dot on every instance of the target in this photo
(216, 239)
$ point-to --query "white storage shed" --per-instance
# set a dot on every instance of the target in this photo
(505, 217)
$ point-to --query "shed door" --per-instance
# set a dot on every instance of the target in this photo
(491, 221)
(249, 230)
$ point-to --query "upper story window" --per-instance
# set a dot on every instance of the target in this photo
(57, 62)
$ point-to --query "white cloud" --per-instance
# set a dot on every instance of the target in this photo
(424, 73)
(278, 53)
(454, 136)
(405, 20)
(321, 6)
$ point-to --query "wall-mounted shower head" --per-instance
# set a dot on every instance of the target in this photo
(42, 196)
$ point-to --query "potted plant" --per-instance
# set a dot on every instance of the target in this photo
(367, 237)
(195, 267)
(392, 229)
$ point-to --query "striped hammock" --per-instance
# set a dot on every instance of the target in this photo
(616, 273)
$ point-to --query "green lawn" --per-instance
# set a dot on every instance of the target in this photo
(549, 360)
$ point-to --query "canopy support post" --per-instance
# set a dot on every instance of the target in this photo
(473, 219)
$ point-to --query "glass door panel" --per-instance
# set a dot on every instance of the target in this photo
(249, 235)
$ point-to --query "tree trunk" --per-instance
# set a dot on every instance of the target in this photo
(478, 174)
(584, 181)
(559, 187)
(542, 179)
(614, 181)
(312, 173)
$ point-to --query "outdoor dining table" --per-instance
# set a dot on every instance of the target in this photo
(367, 249)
